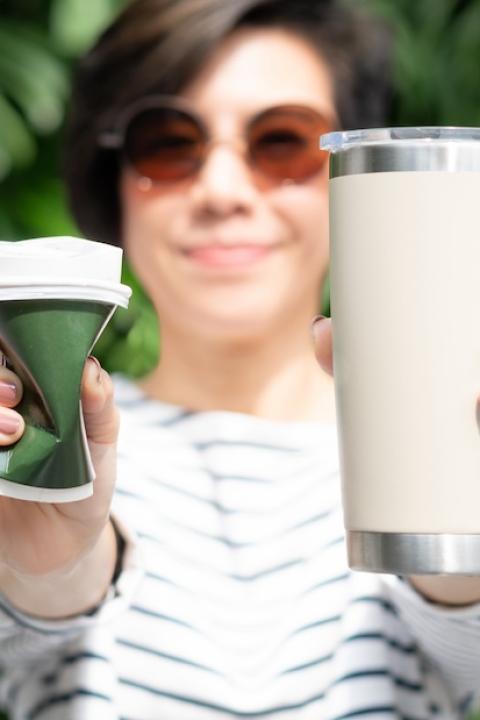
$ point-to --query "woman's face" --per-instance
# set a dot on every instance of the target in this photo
(223, 253)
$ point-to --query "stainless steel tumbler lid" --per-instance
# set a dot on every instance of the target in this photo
(450, 149)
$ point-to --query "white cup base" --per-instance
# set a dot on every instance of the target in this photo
(46, 495)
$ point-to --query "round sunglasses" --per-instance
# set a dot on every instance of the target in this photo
(164, 141)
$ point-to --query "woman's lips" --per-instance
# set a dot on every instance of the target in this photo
(224, 256)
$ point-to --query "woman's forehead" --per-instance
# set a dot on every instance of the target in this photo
(257, 68)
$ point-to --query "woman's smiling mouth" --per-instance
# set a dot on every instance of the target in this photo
(228, 256)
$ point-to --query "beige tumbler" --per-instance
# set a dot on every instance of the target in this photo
(405, 282)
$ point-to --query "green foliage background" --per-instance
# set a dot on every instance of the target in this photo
(437, 56)
(437, 79)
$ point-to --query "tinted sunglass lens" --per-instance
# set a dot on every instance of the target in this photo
(164, 144)
(284, 144)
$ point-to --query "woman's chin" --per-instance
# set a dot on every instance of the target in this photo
(234, 324)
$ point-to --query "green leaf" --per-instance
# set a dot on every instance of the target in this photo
(32, 76)
(73, 28)
(30, 48)
(44, 209)
(17, 146)
(130, 344)
(7, 232)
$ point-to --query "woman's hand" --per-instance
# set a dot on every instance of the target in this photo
(322, 337)
(45, 546)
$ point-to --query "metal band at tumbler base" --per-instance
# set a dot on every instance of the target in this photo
(414, 554)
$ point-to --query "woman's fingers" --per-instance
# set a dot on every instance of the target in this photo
(322, 338)
(11, 426)
(11, 389)
(99, 411)
(11, 422)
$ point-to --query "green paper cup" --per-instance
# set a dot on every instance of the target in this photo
(56, 297)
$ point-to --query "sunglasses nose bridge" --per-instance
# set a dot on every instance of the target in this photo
(224, 182)
(222, 152)
(237, 143)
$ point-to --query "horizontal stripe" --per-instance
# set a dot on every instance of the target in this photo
(156, 482)
(160, 578)
(372, 710)
(197, 702)
(268, 571)
(48, 702)
(381, 602)
(312, 520)
(209, 444)
(52, 677)
(407, 649)
(224, 478)
(227, 542)
(130, 403)
(317, 623)
(83, 655)
(328, 581)
(166, 656)
(129, 493)
(162, 616)
(178, 418)
(308, 665)
(379, 672)
(191, 531)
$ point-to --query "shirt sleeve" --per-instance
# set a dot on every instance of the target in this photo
(448, 637)
(24, 638)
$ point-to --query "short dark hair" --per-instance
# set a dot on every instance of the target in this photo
(157, 46)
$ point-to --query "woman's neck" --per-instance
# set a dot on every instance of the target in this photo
(276, 377)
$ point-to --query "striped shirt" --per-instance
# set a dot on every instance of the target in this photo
(235, 599)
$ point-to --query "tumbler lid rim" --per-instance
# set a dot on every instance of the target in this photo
(342, 140)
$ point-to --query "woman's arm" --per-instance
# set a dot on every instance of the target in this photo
(448, 590)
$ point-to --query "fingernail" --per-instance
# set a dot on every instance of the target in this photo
(9, 424)
(8, 392)
(316, 322)
(98, 366)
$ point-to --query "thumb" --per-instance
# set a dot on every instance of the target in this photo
(99, 410)
(322, 338)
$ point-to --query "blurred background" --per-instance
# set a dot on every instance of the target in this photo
(437, 81)
(437, 57)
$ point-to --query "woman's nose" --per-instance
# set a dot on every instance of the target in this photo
(224, 185)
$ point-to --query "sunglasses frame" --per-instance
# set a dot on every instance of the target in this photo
(115, 139)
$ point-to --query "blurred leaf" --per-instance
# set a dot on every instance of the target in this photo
(436, 60)
(130, 343)
(7, 229)
(42, 107)
(17, 146)
(36, 79)
(73, 28)
(325, 299)
(44, 210)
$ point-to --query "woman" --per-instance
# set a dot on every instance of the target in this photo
(194, 143)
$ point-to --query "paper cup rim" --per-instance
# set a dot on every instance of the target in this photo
(34, 288)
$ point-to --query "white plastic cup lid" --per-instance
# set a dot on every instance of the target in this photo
(62, 267)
